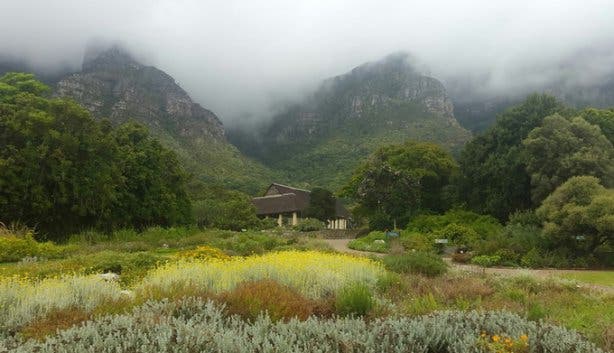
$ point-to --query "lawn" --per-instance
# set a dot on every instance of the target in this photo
(602, 278)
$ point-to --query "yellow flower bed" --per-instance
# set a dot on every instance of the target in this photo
(204, 253)
(312, 273)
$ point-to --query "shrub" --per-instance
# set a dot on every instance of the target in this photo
(415, 241)
(204, 253)
(354, 299)
(251, 299)
(13, 248)
(459, 234)
(313, 274)
(532, 259)
(427, 264)
(201, 326)
(423, 304)
(309, 225)
(375, 241)
(486, 260)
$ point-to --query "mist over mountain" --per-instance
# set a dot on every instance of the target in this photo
(241, 59)
(351, 115)
(113, 85)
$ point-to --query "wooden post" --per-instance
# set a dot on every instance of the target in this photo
(294, 219)
(280, 220)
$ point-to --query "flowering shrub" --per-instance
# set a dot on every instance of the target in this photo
(23, 300)
(195, 325)
(504, 344)
(204, 253)
(251, 299)
(14, 248)
(313, 274)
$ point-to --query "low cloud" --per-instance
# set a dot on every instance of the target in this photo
(238, 58)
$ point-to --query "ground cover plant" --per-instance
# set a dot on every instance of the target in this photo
(375, 241)
(196, 325)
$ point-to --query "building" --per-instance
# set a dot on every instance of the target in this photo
(288, 204)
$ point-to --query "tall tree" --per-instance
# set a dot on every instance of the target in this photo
(61, 171)
(493, 178)
(399, 181)
(561, 148)
(604, 118)
(321, 205)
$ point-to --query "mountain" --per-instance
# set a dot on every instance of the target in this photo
(321, 140)
(113, 85)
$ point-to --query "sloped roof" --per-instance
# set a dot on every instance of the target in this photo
(289, 199)
(274, 204)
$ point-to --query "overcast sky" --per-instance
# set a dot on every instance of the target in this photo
(236, 57)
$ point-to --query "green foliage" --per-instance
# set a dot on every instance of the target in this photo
(579, 207)
(602, 118)
(155, 324)
(459, 234)
(415, 241)
(13, 248)
(354, 299)
(484, 226)
(217, 207)
(321, 205)
(61, 171)
(309, 225)
(374, 241)
(427, 264)
(560, 148)
(493, 178)
(401, 180)
(486, 260)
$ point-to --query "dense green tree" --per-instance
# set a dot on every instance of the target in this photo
(493, 178)
(153, 187)
(217, 207)
(604, 118)
(61, 171)
(321, 205)
(399, 181)
(579, 215)
(561, 148)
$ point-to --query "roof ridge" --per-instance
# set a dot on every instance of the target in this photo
(291, 187)
(276, 195)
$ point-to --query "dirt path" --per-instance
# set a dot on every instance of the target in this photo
(341, 245)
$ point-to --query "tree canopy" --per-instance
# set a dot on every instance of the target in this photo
(493, 178)
(561, 148)
(398, 181)
(61, 171)
(579, 215)
(321, 205)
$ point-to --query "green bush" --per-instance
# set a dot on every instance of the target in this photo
(309, 225)
(375, 241)
(459, 234)
(486, 260)
(13, 249)
(424, 263)
(354, 299)
(415, 241)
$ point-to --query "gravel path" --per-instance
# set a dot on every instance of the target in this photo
(341, 245)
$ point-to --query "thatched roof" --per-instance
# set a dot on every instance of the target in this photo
(275, 204)
(281, 198)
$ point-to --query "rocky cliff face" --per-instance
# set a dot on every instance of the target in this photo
(113, 85)
(351, 115)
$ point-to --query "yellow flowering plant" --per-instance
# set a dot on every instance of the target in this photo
(504, 344)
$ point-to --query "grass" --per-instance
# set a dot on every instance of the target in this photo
(602, 278)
